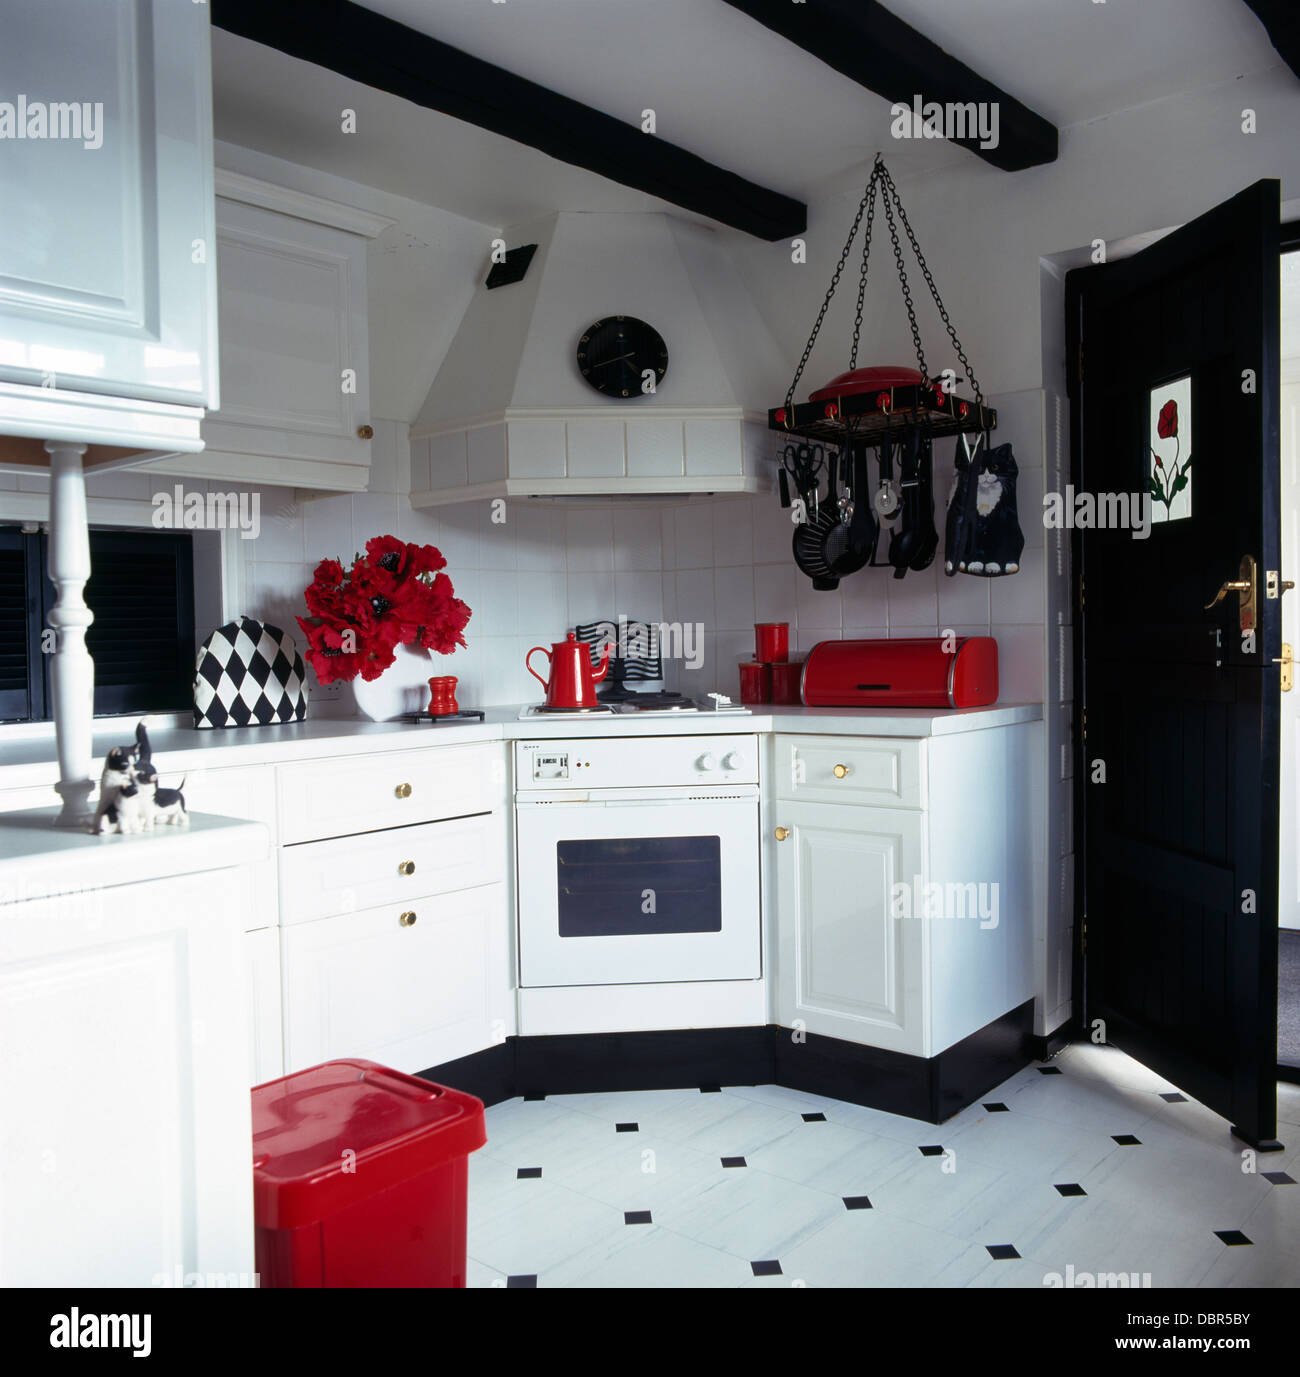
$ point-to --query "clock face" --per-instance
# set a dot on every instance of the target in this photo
(622, 356)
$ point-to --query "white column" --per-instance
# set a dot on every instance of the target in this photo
(72, 671)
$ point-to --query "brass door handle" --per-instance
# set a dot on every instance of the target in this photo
(1234, 586)
(840, 771)
(1244, 585)
(407, 919)
(406, 868)
(403, 791)
(781, 833)
(1288, 667)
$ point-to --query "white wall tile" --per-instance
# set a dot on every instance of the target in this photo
(964, 598)
(373, 514)
(775, 593)
(542, 606)
(638, 538)
(639, 595)
(498, 602)
(536, 449)
(654, 447)
(589, 539)
(460, 525)
(1017, 599)
(539, 536)
(695, 597)
(668, 536)
(596, 449)
(864, 598)
(693, 524)
(914, 603)
(818, 609)
(733, 591)
(389, 435)
(486, 448)
(327, 529)
(773, 531)
(733, 532)
(590, 596)
(280, 536)
(1020, 663)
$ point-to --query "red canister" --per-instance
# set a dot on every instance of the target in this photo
(442, 695)
(771, 642)
(786, 680)
(755, 683)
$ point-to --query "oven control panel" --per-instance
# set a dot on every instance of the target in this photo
(550, 765)
(636, 762)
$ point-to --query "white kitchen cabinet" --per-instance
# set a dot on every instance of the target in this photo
(124, 1141)
(904, 904)
(241, 792)
(851, 968)
(409, 986)
(108, 322)
(295, 376)
(265, 1035)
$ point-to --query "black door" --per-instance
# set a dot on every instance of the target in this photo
(1174, 357)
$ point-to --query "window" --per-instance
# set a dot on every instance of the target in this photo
(1169, 467)
(141, 590)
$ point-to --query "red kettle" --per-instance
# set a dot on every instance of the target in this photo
(572, 682)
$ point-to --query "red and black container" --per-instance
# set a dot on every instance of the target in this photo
(925, 672)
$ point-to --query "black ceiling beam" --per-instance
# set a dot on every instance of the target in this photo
(862, 40)
(357, 43)
(1281, 21)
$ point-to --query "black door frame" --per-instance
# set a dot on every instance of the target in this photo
(1289, 243)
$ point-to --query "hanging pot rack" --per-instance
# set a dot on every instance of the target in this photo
(869, 416)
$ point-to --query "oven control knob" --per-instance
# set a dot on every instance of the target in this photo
(732, 760)
(705, 762)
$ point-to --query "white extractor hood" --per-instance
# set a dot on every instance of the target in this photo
(510, 415)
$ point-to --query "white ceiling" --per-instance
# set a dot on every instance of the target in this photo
(721, 85)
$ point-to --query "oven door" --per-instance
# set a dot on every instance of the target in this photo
(622, 891)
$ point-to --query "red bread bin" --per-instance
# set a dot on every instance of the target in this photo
(360, 1176)
(919, 673)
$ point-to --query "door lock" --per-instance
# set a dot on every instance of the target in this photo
(1275, 585)
(1244, 586)
(1287, 663)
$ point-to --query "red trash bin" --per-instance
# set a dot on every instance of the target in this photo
(359, 1177)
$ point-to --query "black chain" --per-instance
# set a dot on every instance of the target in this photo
(881, 181)
(907, 290)
(867, 195)
(862, 279)
(891, 189)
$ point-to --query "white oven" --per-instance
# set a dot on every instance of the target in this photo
(638, 860)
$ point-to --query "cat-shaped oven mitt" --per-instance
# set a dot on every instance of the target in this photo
(983, 535)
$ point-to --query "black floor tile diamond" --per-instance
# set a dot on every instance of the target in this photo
(856, 1202)
(931, 1150)
(522, 1282)
(534, 1097)
(768, 1268)
(1001, 1251)
(1126, 1140)
(627, 1128)
(1173, 1097)
(1234, 1238)
(1071, 1188)
(733, 1162)
(1279, 1178)
(637, 1217)
(528, 1173)
(997, 1107)
(1048, 1070)
(814, 1118)
(710, 1090)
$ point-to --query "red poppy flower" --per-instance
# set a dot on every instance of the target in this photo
(1167, 425)
(325, 650)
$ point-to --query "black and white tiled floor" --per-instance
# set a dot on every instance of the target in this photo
(1091, 1164)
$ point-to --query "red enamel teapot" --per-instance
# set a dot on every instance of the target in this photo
(572, 682)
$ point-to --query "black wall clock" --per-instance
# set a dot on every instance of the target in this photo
(615, 354)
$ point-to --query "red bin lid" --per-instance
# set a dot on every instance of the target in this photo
(337, 1133)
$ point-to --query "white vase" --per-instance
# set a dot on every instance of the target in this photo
(403, 687)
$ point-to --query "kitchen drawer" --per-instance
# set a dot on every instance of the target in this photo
(884, 772)
(335, 798)
(400, 865)
(409, 995)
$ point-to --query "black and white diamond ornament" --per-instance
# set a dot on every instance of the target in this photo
(249, 674)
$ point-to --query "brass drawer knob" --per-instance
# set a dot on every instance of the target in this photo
(781, 833)
(407, 919)
(406, 868)
(403, 791)
(840, 771)
(366, 432)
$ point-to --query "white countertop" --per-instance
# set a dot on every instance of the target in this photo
(38, 859)
(30, 761)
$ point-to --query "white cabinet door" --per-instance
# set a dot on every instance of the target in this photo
(294, 354)
(408, 994)
(848, 967)
(124, 1083)
(245, 791)
(266, 1037)
(107, 280)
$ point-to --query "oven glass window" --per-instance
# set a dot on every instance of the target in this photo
(639, 885)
